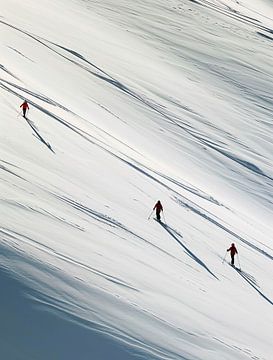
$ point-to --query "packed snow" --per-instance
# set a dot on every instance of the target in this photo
(131, 102)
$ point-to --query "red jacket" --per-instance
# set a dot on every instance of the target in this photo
(158, 206)
(232, 250)
(24, 105)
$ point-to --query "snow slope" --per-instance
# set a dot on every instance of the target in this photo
(139, 101)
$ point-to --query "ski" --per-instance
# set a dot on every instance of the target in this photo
(234, 267)
(160, 222)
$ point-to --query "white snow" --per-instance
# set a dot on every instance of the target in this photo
(140, 101)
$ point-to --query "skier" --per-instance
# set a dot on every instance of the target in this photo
(158, 208)
(25, 107)
(233, 251)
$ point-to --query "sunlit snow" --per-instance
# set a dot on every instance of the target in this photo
(133, 102)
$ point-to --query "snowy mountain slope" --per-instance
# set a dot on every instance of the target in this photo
(140, 101)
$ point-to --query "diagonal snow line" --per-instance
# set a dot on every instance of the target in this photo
(243, 275)
(37, 96)
(46, 249)
(188, 251)
(233, 14)
(213, 221)
(39, 136)
(105, 219)
(11, 172)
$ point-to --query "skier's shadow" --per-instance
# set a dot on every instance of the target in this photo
(188, 251)
(37, 135)
(253, 284)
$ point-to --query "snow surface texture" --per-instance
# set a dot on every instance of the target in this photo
(131, 102)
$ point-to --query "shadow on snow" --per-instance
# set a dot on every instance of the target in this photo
(249, 279)
(188, 251)
(213, 221)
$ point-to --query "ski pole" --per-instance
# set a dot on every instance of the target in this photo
(238, 261)
(150, 215)
(163, 217)
(18, 113)
(224, 258)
